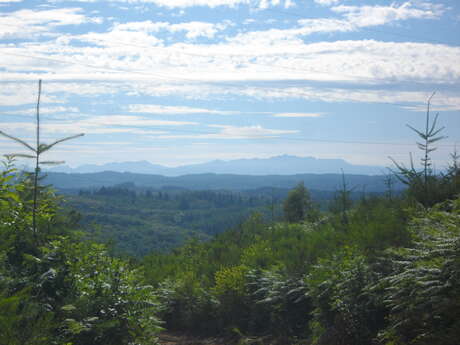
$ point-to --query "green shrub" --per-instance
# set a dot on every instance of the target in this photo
(187, 305)
(54, 289)
(345, 311)
(424, 288)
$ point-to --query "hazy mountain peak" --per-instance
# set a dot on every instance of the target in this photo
(276, 165)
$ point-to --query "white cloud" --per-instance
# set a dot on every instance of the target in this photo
(16, 94)
(298, 115)
(144, 26)
(443, 106)
(213, 3)
(113, 39)
(192, 29)
(30, 23)
(145, 34)
(365, 61)
(120, 124)
(234, 132)
(101, 124)
(253, 132)
(43, 110)
(327, 2)
(355, 17)
(198, 29)
(289, 4)
(170, 110)
(444, 100)
(362, 16)
(249, 21)
(127, 121)
(271, 55)
(262, 64)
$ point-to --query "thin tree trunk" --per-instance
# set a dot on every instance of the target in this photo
(37, 165)
(426, 161)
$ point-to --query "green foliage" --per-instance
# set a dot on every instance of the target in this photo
(231, 291)
(252, 278)
(423, 290)
(108, 304)
(139, 221)
(187, 305)
(55, 289)
(377, 223)
(344, 311)
(281, 305)
(23, 321)
(342, 203)
(259, 254)
(298, 205)
(381, 281)
(231, 281)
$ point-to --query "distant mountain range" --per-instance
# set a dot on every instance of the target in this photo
(278, 165)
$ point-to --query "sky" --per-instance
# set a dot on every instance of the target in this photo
(177, 82)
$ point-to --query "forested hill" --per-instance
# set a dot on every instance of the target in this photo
(137, 220)
(324, 182)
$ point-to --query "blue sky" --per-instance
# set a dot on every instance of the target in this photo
(176, 82)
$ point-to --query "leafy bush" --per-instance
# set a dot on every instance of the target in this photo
(108, 303)
(346, 312)
(187, 305)
(280, 305)
(234, 301)
(55, 290)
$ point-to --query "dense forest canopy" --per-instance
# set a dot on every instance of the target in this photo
(137, 220)
(140, 220)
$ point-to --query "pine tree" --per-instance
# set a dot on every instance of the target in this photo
(423, 184)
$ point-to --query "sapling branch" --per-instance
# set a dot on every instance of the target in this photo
(37, 151)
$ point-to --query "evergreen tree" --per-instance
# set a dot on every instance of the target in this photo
(298, 206)
(424, 185)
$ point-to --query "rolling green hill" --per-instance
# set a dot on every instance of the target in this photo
(137, 220)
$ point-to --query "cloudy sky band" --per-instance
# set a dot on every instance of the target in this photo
(161, 66)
